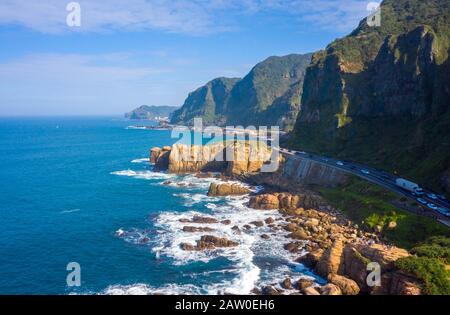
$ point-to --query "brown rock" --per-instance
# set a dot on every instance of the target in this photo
(265, 236)
(269, 220)
(311, 259)
(187, 247)
(302, 284)
(264, 202)
(292, 247)
(209, 241)
(193, 229)
(330, 261)
(269, 290)
(291, 227)
(258, 223)
(330, 289)
(299, 234)
(227, 190)
(310, 291)
(206, 220)
(287, 284)
(226, 222)
(347, 286)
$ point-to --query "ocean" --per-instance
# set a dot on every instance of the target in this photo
(81, 189)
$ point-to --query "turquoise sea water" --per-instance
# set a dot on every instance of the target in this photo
(79, 190)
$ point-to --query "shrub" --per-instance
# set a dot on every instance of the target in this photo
(430, 271)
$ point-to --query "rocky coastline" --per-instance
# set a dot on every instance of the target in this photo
(321, 238)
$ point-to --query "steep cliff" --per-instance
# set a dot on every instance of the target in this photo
(381, 95)
(208, 102)
(269, 95)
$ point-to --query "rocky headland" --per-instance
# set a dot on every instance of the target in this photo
(321, 237)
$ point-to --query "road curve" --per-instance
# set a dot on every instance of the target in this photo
(372, 175)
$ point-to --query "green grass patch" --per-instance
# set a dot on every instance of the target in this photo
(431, 271)
(370, 206)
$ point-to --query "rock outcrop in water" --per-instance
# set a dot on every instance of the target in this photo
(209, 242)
(216, 190)
(233, 159)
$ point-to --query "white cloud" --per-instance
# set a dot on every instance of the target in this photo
(60, 83)
(193, 17)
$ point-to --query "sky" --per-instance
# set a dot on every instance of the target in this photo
(127, 53)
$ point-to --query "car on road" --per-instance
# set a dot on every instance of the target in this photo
(442, 197)
(340, 163)
(422, 201)
(432, 196)
(365, 172)
(432, 206)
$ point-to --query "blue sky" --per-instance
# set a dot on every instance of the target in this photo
(132, 52)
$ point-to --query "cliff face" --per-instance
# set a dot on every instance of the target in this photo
(208, 102)
(182, 158)
(269, 95)
(381, 95)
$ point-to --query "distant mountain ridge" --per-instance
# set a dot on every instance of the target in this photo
(269, 95)
(146, 112)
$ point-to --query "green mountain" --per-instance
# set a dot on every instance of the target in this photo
(208, 102)
(268, 95)
(382, 94)
(145, 112)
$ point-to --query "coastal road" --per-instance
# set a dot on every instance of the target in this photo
(377, 177)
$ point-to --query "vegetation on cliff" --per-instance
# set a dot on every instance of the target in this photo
(430, 265)
(269, 95)
(380, 96)
(371, 207)
(145, 112)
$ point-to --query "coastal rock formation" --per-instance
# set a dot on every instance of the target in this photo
(209, 242)
(160, 158)
(398, 283)
(347, 286)
(345, 265)
(193, 229)
(227, 190)
(233, 159)
(201, 220)
(330, 289)
(246, 158)
(330, 261)
(284, 201)
(191, 159)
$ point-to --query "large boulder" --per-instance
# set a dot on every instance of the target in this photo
(209, 242)
(330, 261)
(347, 286)
(311, 259)
(160, 157)
(330, 289)
(264, 202)
(226, 189)
(291, 203)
